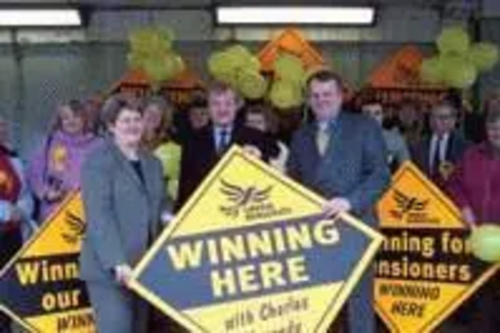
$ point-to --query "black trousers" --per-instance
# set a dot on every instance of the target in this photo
(10, 242)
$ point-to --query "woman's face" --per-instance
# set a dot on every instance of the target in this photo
(493, 133)
(152, 118)
(256, 121)
(70, 122)
(128, 128)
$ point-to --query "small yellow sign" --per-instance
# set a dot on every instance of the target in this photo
(425, 269)
(39, 287)
(251, 252)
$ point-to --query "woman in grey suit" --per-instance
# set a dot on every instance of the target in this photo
(123, 197)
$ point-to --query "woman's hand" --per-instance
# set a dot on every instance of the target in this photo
(123, 274)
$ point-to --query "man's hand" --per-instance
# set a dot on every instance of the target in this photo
(252, 151)
(123, 274)
(336, 206)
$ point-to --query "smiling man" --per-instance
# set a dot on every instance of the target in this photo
(342, 156)
(207, 145)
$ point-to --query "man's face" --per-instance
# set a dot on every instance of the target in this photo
(375, 111)
(198, 117)
(222, 107)
(442, 120)
(325, 99)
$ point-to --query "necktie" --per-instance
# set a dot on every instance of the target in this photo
(223, 141)
(322, 139)
(436, 158)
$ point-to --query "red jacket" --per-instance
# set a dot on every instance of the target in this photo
(476, 183)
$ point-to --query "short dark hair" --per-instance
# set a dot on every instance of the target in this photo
(325, 75)
(269, 117)
(115, 105)
(445, 103)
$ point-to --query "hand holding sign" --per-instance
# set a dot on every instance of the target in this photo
(336, 206)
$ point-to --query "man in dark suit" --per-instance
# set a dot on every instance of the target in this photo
(342, 156)
(437, 153)
(207, 145)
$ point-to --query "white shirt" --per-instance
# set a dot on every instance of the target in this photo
(443, 147)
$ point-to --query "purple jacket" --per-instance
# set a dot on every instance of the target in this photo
(476, 183)
(58, 160)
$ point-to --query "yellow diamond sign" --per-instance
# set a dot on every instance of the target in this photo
(40, 286)
(251, 252)
(424, 269)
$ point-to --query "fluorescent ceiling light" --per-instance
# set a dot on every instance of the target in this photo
(298, 15)
(31, 17)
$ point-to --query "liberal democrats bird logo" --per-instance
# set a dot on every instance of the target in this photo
(76, 227)
(241, 197)
(407, 204)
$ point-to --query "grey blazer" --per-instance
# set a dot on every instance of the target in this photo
(354, 165)
(123, 213)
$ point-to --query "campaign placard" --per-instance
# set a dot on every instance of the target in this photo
(39, 287)
(425, 269)
(251, 251)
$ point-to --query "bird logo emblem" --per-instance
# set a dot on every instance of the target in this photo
(242, 197)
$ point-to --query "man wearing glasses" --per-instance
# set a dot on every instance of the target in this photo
(437, 153)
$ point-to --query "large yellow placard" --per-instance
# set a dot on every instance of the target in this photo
(251, 252)
(425, 269)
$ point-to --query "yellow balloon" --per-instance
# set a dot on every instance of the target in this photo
(485, 242)
(431, 70)
(285, 94)
(458, 72)
(251, 84)
(484, 56)
(453, 40)
(289, 67)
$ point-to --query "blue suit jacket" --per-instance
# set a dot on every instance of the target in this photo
(354, 165)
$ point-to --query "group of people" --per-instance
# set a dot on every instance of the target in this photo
(131, 188)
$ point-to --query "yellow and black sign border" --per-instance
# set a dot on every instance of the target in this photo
(409, 167)
(236, 152)
(22, 251)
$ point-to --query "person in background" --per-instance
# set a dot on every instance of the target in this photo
(475, 189)
(198, 113)
(16, 206)
(157, 122)
(397, 150)
(410, 121)
(124, 199)
(158, 138)
(342, 156)
(436, 154)
(261, 118)
(205, 147)
(55, 168)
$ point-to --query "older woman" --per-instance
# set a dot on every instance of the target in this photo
(54, 169)
(123, 197)
(475, 188)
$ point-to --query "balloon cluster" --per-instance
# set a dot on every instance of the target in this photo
(289, 78)
(239, 68)
(151, 52)
(485, 242)
(459, 61)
